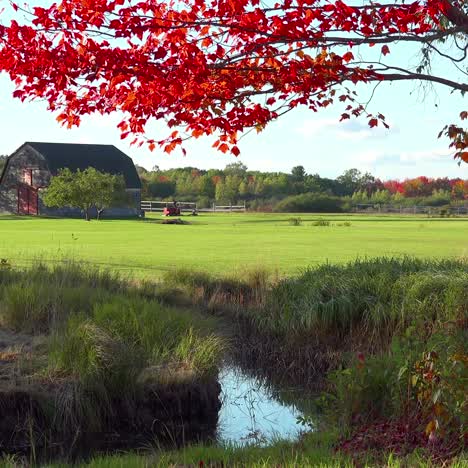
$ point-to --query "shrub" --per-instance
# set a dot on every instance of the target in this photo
(295, 221)
(321, 222)
(204, 202)
(310, 203)
(5, 264)
(418, 379)
(362, 392)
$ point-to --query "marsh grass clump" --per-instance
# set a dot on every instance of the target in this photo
(295, 221)
(366, 300)
(101, 337)
(430, 297)
(38, 307)
(107, 350)
(236, 293)
(312, 323)
(321, 222)
(371, 297)
(41, 298)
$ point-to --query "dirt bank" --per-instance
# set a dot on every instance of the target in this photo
(50, 415)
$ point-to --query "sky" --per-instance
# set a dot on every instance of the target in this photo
(317, 141)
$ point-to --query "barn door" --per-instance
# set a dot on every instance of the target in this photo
(27, 200)
(32, 201)
(23, 202)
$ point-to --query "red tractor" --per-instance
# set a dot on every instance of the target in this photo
(172, 210)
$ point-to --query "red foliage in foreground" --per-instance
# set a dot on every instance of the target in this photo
(219, 67)
(400, 437)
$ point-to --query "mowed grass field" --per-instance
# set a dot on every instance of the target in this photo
(228, 243)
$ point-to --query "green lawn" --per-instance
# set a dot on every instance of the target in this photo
(229, 243)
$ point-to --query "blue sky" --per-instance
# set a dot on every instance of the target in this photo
(318, 141)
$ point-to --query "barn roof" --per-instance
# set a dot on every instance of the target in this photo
(104, 158)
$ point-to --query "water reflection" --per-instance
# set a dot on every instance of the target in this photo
(250, 413)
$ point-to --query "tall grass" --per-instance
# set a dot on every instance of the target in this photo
(41, 299)
(120, 338)
(65, 274)
(374, 297)
(39, 307)
(108, 343)
(304, 326)
(224, 293)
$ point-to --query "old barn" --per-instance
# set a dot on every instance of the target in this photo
(29, 169)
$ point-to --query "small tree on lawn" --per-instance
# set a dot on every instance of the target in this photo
(63, 191)
(84, 190)
(108, 190)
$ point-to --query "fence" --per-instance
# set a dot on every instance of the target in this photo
(456, 210)
(152, 206)
(227, 208)
(158, 206)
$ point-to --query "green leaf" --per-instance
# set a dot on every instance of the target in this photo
(402, 372)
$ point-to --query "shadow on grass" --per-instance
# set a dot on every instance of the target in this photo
(14, 217)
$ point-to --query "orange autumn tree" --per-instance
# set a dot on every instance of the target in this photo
(224, 67)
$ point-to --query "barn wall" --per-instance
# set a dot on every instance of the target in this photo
(8, 201)
(26, 158)
(23, 158)
(134, 197)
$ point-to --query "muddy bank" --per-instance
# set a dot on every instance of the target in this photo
(299, 363)
(55, 417)
(174, 414)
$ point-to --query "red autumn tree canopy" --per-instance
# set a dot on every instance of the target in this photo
(223, 67)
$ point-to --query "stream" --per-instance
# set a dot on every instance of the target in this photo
(250, 413)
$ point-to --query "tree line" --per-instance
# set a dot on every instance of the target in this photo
(274, 190)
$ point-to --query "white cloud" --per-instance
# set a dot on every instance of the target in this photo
(437, 155)
(352, 130)
(402, 158)
(368, 157)
(315, 127)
